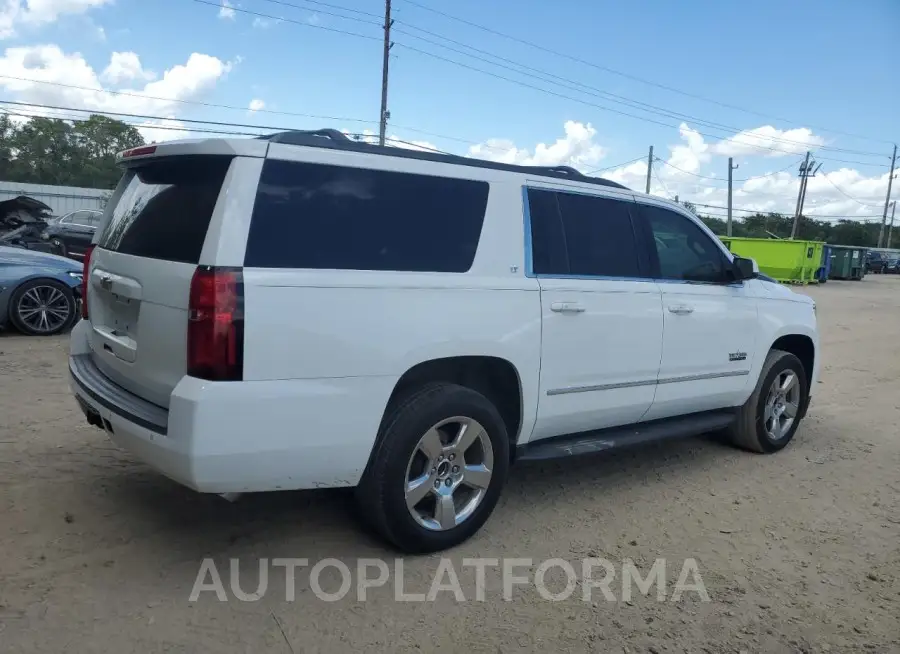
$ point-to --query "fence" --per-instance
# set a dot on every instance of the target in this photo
(61, 199)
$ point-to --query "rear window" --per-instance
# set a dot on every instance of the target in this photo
(333, 217)
(164, 208)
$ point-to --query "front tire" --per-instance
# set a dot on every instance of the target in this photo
(769, 419)
(439, 465)
(42, 307)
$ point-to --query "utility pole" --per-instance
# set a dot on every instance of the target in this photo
(649, 168)
(384, 72)
(887, 200)
(891, 228)
(807, 169)
(731, 167)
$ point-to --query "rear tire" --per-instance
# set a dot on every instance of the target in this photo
(42, 307)
(767, 422)
(473, 477)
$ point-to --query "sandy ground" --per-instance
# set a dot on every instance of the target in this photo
(799, 552)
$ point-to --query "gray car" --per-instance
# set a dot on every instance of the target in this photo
(39, 292)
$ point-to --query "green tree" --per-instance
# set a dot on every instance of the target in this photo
(68, 153)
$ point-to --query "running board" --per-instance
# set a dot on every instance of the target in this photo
(591, 442)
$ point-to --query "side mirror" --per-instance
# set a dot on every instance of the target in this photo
(746, 268)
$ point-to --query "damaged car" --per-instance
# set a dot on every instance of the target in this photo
(23, 223)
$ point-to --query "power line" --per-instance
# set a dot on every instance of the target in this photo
(181, 101)
(325, 4)
(292, 21)
(624, 163)
(594, 91)
(847, 195)
(719, 179)
(149, 117)
(569, 97)
(626, 75)
(641, 106)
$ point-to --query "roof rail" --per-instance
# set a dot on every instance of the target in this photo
(335, 140)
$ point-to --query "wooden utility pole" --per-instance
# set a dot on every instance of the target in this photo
(891, 228)
(649, 168)
(887, 199)
(731, 167)
(384, 72)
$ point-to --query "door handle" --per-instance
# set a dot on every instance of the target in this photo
(681, 309)
(566, 307)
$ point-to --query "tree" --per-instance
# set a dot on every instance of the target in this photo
(68, 153)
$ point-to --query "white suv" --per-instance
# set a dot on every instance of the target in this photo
(306, 311)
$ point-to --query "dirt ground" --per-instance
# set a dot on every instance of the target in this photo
(799, 552)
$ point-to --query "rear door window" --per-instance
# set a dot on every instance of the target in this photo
(333, 217)
(583, 235)
(163, 208)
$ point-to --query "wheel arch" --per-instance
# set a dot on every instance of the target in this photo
(496, 378)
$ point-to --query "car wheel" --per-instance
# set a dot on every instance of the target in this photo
(42, 307)
(437, 470)
(769, 419)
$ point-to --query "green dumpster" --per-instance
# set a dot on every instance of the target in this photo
(788, 261)
(847, 262)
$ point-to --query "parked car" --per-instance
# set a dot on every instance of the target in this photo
(892, 265)
(71, 234)
(875, 262)
(39, 292)
(307, 311)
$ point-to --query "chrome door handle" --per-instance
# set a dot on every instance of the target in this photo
(566, 307)
(681, 309)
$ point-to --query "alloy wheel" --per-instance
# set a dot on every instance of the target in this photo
(449, 473)
(44, 309)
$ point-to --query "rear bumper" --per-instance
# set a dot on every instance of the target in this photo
(236, 437)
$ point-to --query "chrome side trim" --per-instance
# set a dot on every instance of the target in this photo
(600, 387)
(708, 375)
(648, 382)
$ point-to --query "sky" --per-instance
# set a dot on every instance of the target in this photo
(586, 83)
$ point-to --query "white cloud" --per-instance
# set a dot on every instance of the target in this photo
(263, 23)
(768, 141)
(62, 71)
(226, 12)
(14, 13)
(577, 149)
(257, 105)
(167, 129)
(767, 190)
(125, 67)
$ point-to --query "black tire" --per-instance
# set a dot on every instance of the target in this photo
(381, 493)
(22, 323)
(749, 431)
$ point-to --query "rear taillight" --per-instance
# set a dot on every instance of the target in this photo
(215, 337)
(85, 281)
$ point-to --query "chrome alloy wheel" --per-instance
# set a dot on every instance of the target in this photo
(44, 309)
(782, 405)
(449, 473)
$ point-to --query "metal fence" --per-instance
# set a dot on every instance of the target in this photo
(61, 199)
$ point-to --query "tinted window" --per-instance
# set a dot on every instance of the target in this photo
(65, 220)
(164, 208)
(316, 216)
(684, 250)
(582, 235)
(548, 249)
